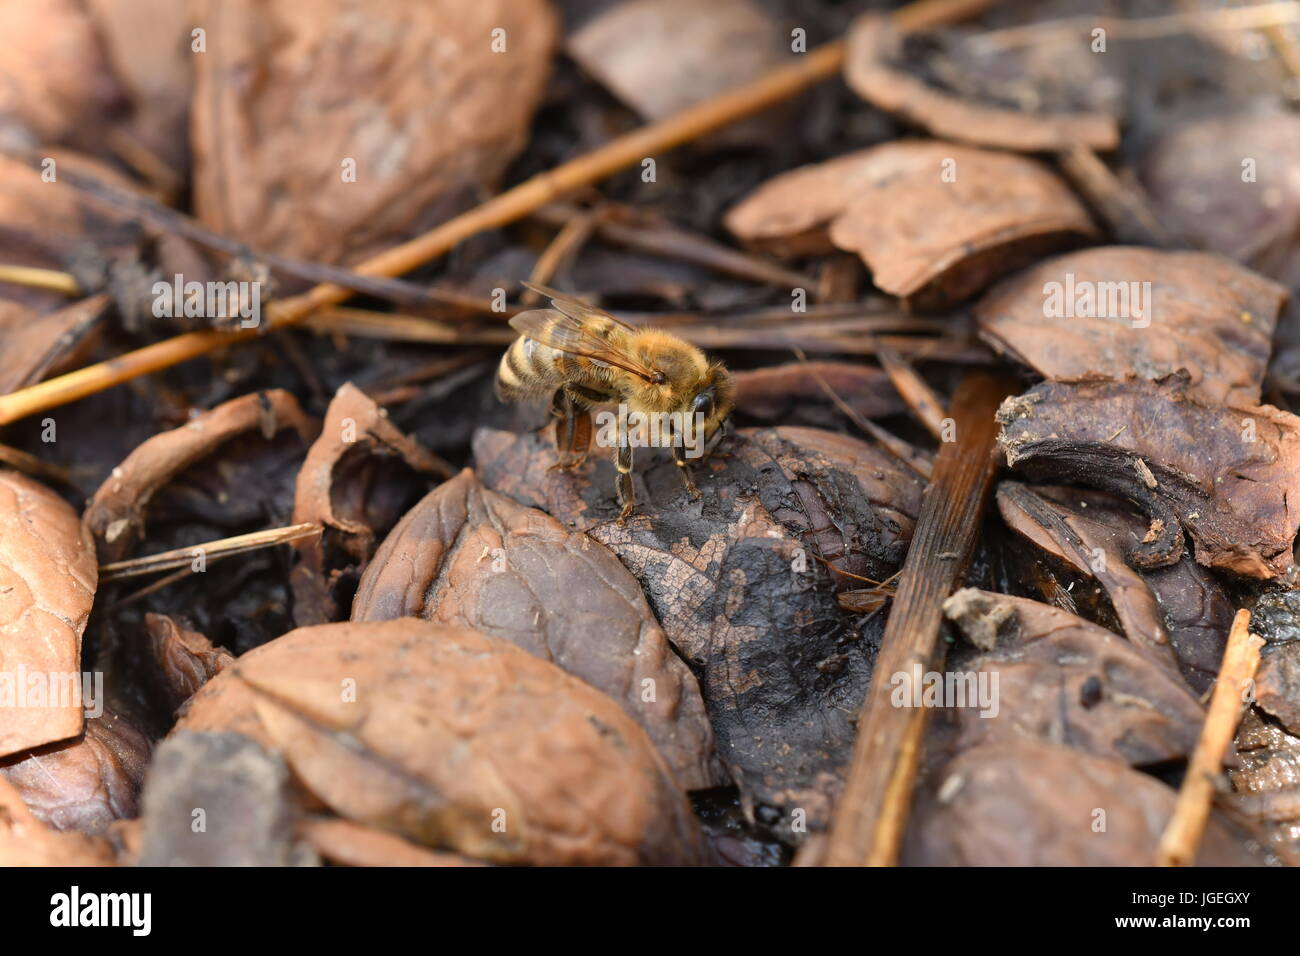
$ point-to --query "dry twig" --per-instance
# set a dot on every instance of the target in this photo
(872, 811)
(1182, 836)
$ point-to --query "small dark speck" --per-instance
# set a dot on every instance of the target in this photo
(1090, 692)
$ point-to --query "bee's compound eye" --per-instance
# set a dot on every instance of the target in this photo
(704, 403)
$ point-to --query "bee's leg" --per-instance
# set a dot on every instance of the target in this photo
(623, 483)
(679, 457)
(572, 431)
(580, 442)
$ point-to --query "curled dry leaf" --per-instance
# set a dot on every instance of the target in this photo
(734, 579)
(791, 394)
(345, 843)
(116, 515)
(48, 576)
(661, 56)
(413, 107)
(54, 80)
(935, 222)
(184, 660)
(86, 783)
(1231, 477)
(1061, 679)
(469, 557)
(26, 841)
(32, 345)
(1032, 803)
(449, 731)
(240, 793)
(358, 478)
(873, 42)
(1124, 311)
(1091, 549)
(1092, 532)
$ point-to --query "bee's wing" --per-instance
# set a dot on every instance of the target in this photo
(565, 333)
(575, 308)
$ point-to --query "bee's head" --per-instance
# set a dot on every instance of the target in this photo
(713, 399)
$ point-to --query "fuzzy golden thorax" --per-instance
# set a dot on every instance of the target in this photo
(690, 383)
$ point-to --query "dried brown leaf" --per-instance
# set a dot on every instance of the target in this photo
(346, 843)
(1031, 803)
(1184, 601)
(469, 557)
(412, 91)
(31, 345)
(735, 581)
(933, 221)
(1231, 477)
(48, 576)
(26, 841)
(661, 56)
(1200, 313)
(54, 80)
(86, 783)
(785, 394)
(1061, 679)
(449, 731)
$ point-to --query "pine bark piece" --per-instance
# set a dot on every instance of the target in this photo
(1230, 477)
(1203, 315)
(872, 810)
(784, 394)
(411, 90)
(48, 577)
(1079, 541)
(466, 556)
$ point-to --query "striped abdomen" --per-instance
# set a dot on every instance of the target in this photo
(531, 370)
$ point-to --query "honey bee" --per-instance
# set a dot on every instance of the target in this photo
(584, 358)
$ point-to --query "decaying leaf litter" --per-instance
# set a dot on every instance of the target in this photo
(465, 658)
